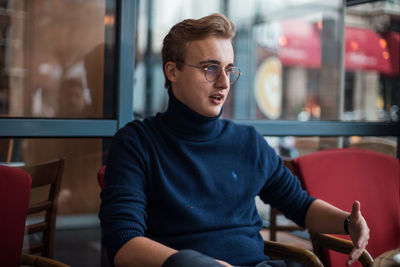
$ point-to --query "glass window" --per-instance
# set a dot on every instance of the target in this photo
(52, 58)
(299, 61)
(284, 49)
(372, 58)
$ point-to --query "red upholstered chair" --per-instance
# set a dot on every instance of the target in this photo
(341, 176)
(15, 186)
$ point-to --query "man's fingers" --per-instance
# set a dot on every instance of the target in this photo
(356, 208)
(363, 241)
(354, 255)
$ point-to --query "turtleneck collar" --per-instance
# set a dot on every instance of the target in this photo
(187, 123)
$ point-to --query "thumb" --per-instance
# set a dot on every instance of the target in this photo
(355, 211)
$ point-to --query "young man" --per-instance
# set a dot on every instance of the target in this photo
(180, 186)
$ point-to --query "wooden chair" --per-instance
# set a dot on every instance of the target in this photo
(273, 249)
(46, 178)
(340, 176)
(6, 148)
(15, 185)
(274, 227)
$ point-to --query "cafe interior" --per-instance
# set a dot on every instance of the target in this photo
(320, 81)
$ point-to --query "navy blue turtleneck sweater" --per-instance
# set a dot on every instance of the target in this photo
(190, 182)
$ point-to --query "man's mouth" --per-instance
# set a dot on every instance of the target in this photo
(217, 97)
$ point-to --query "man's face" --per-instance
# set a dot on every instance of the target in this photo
(191, 86)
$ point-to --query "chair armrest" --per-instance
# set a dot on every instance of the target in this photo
(284, 251)
(38, 261)
(340, 245)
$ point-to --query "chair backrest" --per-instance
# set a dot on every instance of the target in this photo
(6, 149)
(15, 185)
(46, 178)
(341, 176)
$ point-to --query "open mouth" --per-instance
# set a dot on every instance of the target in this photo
(216, 97)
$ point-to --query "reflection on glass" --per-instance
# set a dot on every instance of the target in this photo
(52, 59)
(372, 62)
(288, 66)
(283, 48)
(298, 60)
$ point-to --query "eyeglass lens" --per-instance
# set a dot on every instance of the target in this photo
(214, 71)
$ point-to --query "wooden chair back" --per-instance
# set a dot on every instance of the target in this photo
(6, 149)
(40, 233)
(274, 227)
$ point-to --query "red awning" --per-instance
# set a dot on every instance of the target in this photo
(367, 50)
(300, 45)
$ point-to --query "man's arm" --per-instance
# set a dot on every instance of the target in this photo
(142, 251)
(322, 217)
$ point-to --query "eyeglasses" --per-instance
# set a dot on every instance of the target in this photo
(212, 72)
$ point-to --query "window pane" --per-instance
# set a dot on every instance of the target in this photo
(288, 51)
(52, 57)
(293, 45)
(372, 62)
(299, 61)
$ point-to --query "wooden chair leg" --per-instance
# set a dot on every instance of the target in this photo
(272, 224)
(10, 150)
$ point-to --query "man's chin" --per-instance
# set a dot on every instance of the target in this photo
(213, 113)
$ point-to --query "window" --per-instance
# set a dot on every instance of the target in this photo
(52, 59)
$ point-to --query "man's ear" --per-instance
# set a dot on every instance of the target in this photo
(171, 71)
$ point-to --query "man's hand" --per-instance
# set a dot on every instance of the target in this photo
(359, 233)
(223, 263)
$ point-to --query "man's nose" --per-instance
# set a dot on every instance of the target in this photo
(223, 80)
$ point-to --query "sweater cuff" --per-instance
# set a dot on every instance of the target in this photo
(192, 258)
(117, 241)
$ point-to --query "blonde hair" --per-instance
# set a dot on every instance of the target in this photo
(175, 42)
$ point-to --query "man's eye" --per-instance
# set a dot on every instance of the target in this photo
(212, 68)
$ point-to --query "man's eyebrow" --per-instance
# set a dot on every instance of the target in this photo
(209, 61)
(213, 61)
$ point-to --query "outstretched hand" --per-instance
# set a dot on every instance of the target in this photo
(359, 233)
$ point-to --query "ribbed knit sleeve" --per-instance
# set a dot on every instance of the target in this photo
(122, 211)
(282, 189)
